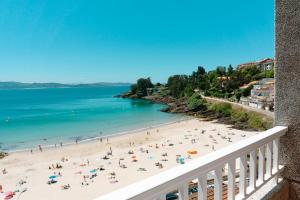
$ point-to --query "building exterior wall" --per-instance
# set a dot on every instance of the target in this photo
(287, 88)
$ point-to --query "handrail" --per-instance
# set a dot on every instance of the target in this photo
(179, 176)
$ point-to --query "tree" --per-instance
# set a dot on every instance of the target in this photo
(238, 95)
(158, 84)
(270, 74)
(229, 70)
(177, 84)
(133, 88)
(142, 85)
(247, 91)
(201, 71)
(250, 74)
(221, 71)
(188, 91)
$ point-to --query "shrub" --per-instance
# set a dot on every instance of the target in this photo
(247, 91)
(188, 91)
(239, 116)
(207, 93)
(223, 109)
(195, 102)
(257, 122)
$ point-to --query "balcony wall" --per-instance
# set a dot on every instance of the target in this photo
(287, 88)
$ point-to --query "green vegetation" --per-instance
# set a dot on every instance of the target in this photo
(240, 116)
(177, 85)
(247, 91)
(222, 109)
(140, 88)
(183, 94)
(222, 82)
(196, 102)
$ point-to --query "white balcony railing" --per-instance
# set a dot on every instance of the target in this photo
(256, 158)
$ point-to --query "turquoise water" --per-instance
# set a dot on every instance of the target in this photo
(29, 117)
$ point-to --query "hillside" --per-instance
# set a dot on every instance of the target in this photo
(19, 85)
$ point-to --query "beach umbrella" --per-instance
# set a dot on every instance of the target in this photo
(181, 160)
(93, 171)
(8, 195)
(192, 152)
(52, 177)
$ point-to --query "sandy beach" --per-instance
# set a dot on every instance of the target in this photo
(88, 170)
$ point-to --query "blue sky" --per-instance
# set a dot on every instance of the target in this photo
(72, 41)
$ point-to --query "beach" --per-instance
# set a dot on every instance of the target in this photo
(90, 169)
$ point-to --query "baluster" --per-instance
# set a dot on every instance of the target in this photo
(243, 171)
(275, 154)
(261, 164)
(202, 187)
(218, 184)
(275, 158)
(269, 160)
(253, 170)
(231, 180)
(184, 192)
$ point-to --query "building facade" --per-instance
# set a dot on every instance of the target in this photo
(262, 94)
(264, 64)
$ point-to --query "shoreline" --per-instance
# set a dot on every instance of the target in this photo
(92, 139)
(154, 150)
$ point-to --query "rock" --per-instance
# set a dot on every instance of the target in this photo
(167, 109)
(3, 154)
(128, 95)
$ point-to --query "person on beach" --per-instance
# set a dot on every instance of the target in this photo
(1, 189)
(31, 151)
(4, 171)
(40, 148)
(61, 144)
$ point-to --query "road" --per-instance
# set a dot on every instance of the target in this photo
(261, 111)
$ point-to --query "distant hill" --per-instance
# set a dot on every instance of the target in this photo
(19, 85)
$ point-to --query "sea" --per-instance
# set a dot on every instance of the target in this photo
(49, 116)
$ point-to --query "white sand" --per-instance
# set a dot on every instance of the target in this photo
(33, 168)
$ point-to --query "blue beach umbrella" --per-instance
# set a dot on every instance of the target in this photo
(93, 171)
(52, 177)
